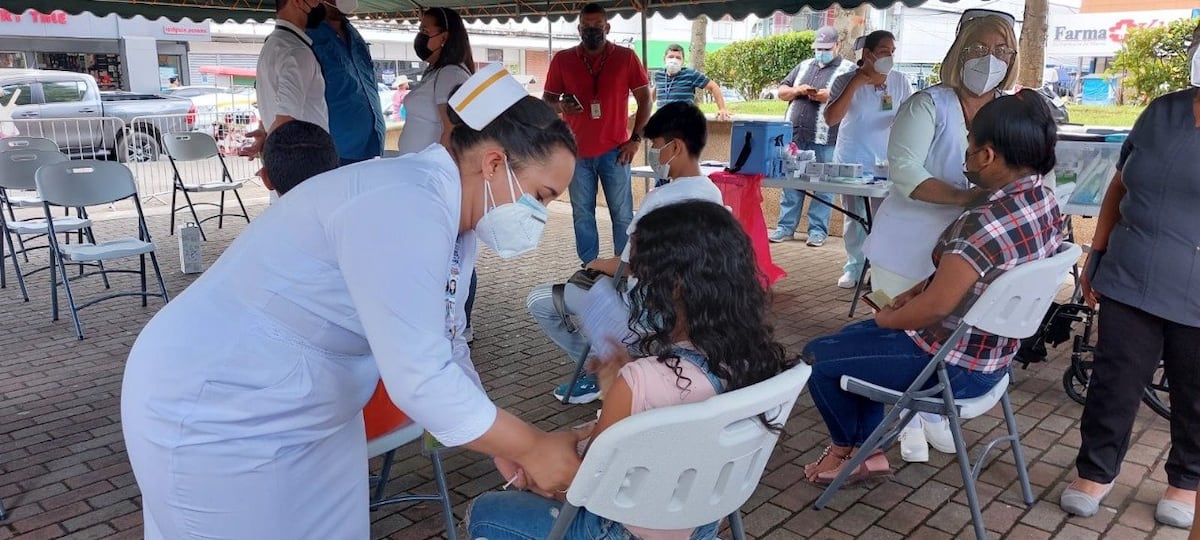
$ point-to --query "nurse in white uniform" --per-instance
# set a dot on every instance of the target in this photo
(241, 404)
(926, 152)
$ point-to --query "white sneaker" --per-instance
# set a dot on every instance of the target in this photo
(913, 447)
(847, 281)
(938, 435)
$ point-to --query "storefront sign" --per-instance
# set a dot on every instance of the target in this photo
(60, 24)
(1102, 34)
(177, 30)
(33, 17)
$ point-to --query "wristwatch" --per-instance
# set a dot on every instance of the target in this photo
(635, 137)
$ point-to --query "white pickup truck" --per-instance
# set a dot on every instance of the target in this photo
(70, 109)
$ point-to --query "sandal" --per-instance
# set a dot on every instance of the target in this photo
(827, 462)
(864, 472)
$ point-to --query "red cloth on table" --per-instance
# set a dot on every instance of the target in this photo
(742, 193)
(381, 415)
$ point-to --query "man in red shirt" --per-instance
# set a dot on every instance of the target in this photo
(590, 85)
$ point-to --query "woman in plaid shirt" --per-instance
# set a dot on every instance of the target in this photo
(1011, 146)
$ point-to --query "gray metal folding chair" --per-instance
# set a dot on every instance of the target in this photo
(79, 184)
(17, 172)
(386, 445)
(196, 146)
(687, 465)
(1012, 306)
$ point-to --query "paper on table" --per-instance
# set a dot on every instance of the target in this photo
(605, 318)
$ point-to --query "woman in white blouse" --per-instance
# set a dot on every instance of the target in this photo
(926, 153)
(864, 106)
(441, 42)
(242, 398)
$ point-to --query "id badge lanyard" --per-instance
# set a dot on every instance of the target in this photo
(595, 74)
(452, 291)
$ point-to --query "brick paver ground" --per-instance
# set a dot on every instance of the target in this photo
(64, 473)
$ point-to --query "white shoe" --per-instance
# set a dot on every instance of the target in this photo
(938, 435)
(847, 281)
(913, 447)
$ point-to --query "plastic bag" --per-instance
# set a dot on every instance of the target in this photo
(743, 195)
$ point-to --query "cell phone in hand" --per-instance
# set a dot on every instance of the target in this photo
(877, 299)
(571, 99)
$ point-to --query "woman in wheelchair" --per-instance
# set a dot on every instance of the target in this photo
(699, 311)
(1011, 146)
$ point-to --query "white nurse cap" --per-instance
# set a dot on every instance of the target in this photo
(487, 94)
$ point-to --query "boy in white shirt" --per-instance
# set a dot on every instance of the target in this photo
(677, 133)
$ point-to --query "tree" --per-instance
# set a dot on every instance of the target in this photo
(851, 25)
(751, 65)
(1033, 43)
(1154, 60)
(699, 42)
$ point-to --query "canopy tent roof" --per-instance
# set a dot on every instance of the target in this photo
(503, 10)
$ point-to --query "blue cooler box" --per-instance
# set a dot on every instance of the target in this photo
(758, 146)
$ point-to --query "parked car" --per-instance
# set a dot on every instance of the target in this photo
(68, 108)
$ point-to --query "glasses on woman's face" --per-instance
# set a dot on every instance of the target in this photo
(980, 50)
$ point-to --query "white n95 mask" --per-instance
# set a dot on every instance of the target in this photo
(514, 228)
(674, 65)
(883, 65)
(984, 74)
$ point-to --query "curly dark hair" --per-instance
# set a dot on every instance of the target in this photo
(694, 255)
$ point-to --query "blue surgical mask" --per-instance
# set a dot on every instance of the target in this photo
(825, 57)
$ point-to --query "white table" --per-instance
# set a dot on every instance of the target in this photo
(873, 190)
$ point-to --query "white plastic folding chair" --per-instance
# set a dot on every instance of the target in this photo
(79, 184)
(684, 466)
(17, 173)
(386, 445)
(23, 199)
(197, 146)
(1012, 306)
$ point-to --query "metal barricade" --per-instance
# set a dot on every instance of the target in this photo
(79, 138)
(228, 127)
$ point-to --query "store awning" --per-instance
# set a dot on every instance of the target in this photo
(229, 71)
(260, 10)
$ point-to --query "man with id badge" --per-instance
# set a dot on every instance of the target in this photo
(590, 86)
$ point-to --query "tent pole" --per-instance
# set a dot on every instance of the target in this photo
(645, 10)
(549, 32)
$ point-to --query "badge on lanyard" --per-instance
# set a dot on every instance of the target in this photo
(885, 101)
(595, 110)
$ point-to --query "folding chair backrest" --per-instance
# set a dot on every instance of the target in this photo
(189, 146)
(85, 183)
(688, 465)
(28, 143)
(1015, 303)
(17, 167)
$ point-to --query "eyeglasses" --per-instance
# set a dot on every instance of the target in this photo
(980, 50)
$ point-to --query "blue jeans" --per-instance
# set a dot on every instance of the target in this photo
(854, 235)
(885, 357)
(520, 515)
(793, 201)
(601, 171)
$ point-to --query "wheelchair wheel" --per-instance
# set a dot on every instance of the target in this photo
(1075, 377)
(1156, 395)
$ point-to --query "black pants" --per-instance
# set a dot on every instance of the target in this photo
(1131, 343)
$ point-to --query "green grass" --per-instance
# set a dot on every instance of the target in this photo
(1091, 115)
(1105, 115)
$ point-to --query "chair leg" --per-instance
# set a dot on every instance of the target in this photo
(385, 473)
(221, 216)
(174, 196)
(439, 475)
(245, 214)
(575, 376)
(142, 275)
(163, 286)
(15, 262)
(1018, 451)
(91, 236)
(53, 285)
(735, 525)
(565, 516)
(70, 297)
(964, 460)
(195, 216)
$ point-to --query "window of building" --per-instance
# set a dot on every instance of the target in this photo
(64, 91)
(12, 60)
(723, 30)
(495, 55)
(7, 91)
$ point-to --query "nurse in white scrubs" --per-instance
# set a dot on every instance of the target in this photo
(241, 404)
